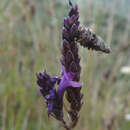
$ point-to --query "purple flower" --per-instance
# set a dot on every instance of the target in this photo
(47, 84)
(66, 82)
(72, 33)
(54, 99)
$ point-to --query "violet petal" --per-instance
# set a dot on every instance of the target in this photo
(66, 82)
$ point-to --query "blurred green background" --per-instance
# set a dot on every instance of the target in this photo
(30, 39)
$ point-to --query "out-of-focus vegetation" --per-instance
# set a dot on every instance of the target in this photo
(30, 37)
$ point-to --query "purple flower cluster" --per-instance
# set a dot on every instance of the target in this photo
(54, 99)
(47, 89)
(72, 33)
(70, 69)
